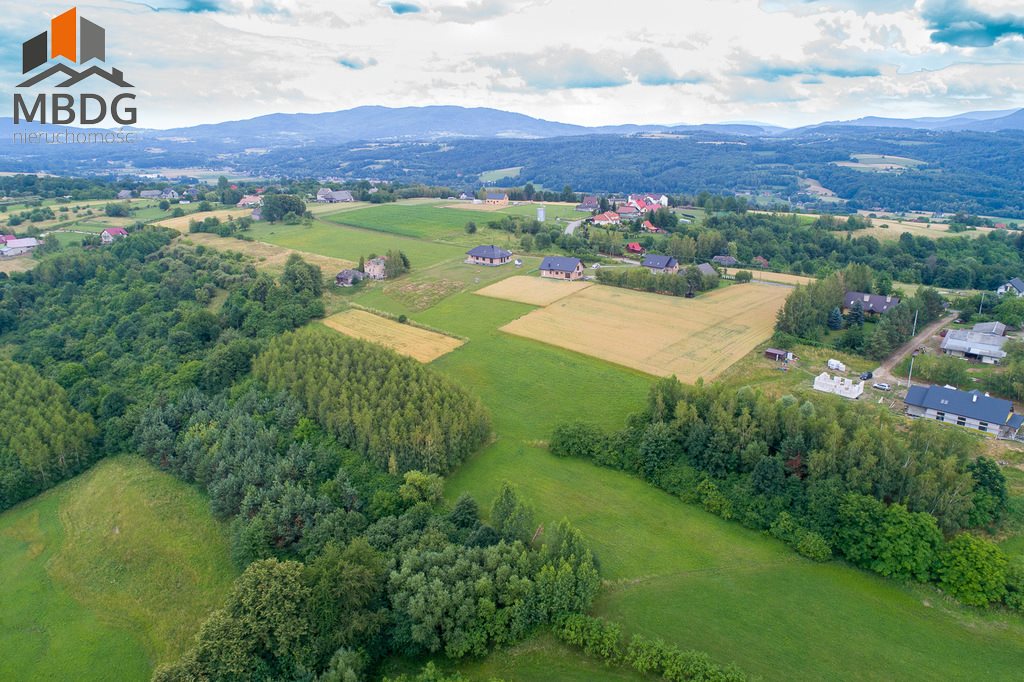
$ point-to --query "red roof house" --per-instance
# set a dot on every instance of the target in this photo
(608, 218)
(634, 247)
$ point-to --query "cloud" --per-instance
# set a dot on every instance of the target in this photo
(397, 7)
(649, 67)
(772, 72)
(357, 63)
(954, 22)
(473, 11)
(859, 6)
(568, 67)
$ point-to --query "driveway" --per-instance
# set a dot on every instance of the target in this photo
(884, 372)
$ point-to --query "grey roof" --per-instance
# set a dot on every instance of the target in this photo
(488, 251)
(496, 196)
(970, 404)
(653, 260)
(725, 260)
(707, 269)
(975, 343)
(560, 264)
(997, 328)
(150, 193)
(873, 303)
(1017, 284)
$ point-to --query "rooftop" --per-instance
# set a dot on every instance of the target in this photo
(970, 404)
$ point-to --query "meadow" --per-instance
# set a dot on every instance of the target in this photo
(268, 256)
(662, 335)
(532, 290)
(108, 575)
(415, 342)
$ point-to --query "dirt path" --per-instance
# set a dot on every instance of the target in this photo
(884, 372)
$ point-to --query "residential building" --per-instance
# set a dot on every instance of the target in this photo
(150, 194)
(559, 267)
(628, 212)
(250, 201)
(837, 385)
(872, 303)
(651, 227)
(496, 199)
(607, 218)
(707, 269)
(1014, 287)
(16, 247)
(488, 255)
(170, 195)
(589, 204)
(634, 247)
(963, 343)
(660, 264)
(725, 261)
(376, 268)
(110, 234)
(124, 194)
(348, 278)
(970, 409)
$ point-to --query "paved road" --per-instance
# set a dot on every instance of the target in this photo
(571, 227)
(884, 372)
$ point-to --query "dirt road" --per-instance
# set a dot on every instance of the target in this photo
(884, 372)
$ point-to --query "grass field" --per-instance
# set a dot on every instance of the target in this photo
(660, 335)
(107, 575)
(422, 221)
(419, 344)
(268, 256)
(19, 263)
(879, 163)
(181, 224)
(532, 290)
(500, 173)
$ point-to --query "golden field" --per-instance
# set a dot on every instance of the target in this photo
(419, 344)
(532, 290)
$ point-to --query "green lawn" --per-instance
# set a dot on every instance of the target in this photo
(500, 174)
(111, 572)
(422, 221)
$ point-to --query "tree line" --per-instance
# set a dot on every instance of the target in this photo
(826, 477)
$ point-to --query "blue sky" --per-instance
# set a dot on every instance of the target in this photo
(787, 62)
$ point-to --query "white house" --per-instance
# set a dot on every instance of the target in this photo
(840, 386)
(108, 235)
(963, 343)
(1015, 287)
(16, 247)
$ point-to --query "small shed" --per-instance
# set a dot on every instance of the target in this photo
(778, 354)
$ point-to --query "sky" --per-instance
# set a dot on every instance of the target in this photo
(785, 62)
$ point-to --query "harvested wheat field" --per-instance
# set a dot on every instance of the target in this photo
(779, 277)
(419, 344)
(181, 223)
(532, 290)
(269, 256)
(660, 335)
(17, 264)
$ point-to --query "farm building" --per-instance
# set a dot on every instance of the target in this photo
(634, 247)
(170, 195)
(109, 235)
(150, 194)
(997, 328)
(872, 303)
(496, 199)
(376, 268)
(326, 195)
(589, 204)
(778, 354)
(250, 201)
(661, 264)
(4, 238)
(962, 343)
(558, 267)
(707, 269)
(840, 386)
(124, 194)
(971, 409)
(1015, 287)
(725, 261)
(628, 211)
(16, 247)
(488, 255)
(607, 218)
(347, 278)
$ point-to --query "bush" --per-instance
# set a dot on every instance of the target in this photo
(813, 546)
(743, 276)
(973, 569)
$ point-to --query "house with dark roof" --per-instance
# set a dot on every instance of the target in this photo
(326, 195)
(170, 195)
(560, 267)
(997, 328)
(660, 264)
(110, 234)
(725, 261)
(150, 194)
(348, 278)
(376, 268)
(872, 303)
(488, 255)
(124, 194)
(972, 345)
(707, 270)
(589, 204)
(496, 199)
(1015, 287)
(970, 409)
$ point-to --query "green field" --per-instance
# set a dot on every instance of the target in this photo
(500, 173)
(424, 221)
(107, 575)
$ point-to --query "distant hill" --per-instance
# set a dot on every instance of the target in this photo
(977, 121)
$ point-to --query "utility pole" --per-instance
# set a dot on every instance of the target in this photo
(982, 302)
(910, 375)
(914, 333)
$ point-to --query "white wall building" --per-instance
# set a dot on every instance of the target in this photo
(840, 386)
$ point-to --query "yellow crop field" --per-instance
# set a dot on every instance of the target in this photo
(660, 335)
(781, 277)
(17, 264)
(419, 344)
(269, 256)
(181, 224)
(532, 290)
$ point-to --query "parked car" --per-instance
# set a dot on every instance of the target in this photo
(866, 375)
(882, 386)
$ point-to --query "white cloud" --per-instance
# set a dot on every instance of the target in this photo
(786, 61)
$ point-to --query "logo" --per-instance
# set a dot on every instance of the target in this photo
(72, 41)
